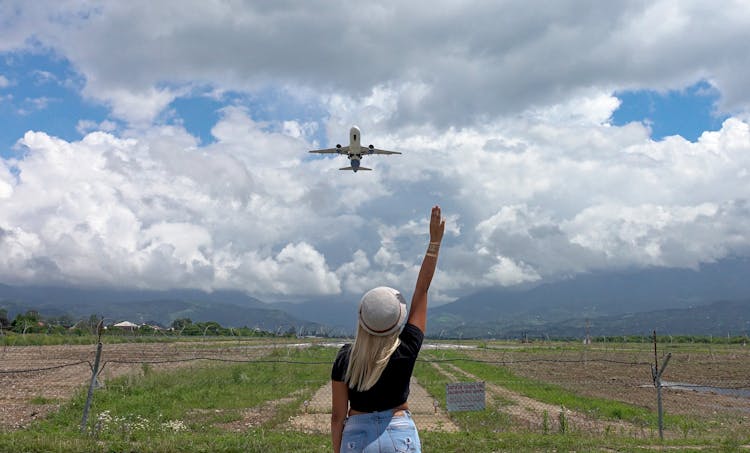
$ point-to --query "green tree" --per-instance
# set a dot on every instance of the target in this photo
(29, 322)
(212, 328)
(145, 329)
(179, 324)
(190, 329)
(92, 323)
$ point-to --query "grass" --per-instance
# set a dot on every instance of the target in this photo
(181, 410)
(491, 420)
(41, 400)
(550, 393)
(690, 426)
(493, 430)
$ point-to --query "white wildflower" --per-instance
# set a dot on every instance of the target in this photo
(174, 425)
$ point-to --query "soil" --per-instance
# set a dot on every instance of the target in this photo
(315, 416)
(625, 376)
(616, 374)
(31, 395)
(529, 413)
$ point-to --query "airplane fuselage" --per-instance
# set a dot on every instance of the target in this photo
(355, 149)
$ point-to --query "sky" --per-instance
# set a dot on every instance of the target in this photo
(161, 145)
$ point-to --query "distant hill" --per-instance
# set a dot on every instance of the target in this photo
(718, 319)
(339, 313)
(591, 296)
(228, 308)
(674, 301)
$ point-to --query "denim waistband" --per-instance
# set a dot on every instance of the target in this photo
(379, 416)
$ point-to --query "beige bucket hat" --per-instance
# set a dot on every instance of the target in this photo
(382, 311)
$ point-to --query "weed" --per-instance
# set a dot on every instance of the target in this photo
(40, 400)
(562, 420)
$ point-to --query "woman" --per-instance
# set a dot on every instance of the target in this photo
(370, 378)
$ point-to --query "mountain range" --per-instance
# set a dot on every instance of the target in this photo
(228, 308)
(604, 297)
(711, 300)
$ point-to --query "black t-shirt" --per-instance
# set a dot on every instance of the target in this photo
(392, 389)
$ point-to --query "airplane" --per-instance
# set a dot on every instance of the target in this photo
(354, 151)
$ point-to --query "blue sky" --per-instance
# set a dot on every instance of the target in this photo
(44, 93)
(688, 112)
(168, 143)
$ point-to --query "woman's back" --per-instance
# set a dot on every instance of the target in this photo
(392, 388)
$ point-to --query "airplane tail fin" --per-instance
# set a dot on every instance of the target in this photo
(353, 169)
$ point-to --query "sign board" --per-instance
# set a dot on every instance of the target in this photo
(464, 396)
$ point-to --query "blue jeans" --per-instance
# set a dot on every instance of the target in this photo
(380, 432)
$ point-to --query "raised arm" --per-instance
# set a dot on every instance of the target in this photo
(418, 310)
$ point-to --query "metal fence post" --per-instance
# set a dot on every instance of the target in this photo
(657, 382)
(94, 373)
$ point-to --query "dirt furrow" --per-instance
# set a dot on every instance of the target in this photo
(531, 413)
(315, 414)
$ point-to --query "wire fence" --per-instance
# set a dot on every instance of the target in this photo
(548, 388)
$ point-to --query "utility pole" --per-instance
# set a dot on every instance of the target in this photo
(587, 340)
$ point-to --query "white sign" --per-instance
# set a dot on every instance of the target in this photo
(464, 396)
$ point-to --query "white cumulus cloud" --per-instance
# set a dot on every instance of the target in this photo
(506, 123)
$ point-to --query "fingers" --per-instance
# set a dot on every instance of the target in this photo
(437, 224)
(436, 218)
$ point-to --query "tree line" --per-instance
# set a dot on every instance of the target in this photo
(32, 322)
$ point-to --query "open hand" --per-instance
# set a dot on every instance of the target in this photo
(437, 225)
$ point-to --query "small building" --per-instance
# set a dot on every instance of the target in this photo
(126, 325)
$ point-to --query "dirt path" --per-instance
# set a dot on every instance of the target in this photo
(530, 412)
(315, 415)
(256, 416)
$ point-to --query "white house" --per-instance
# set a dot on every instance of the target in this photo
(126, 325)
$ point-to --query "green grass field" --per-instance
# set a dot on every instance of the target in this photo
(204, 408)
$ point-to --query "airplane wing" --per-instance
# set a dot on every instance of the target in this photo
(381, 151)
(342, 150)
(358, 168)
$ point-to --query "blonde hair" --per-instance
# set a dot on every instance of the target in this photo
(368, 358)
